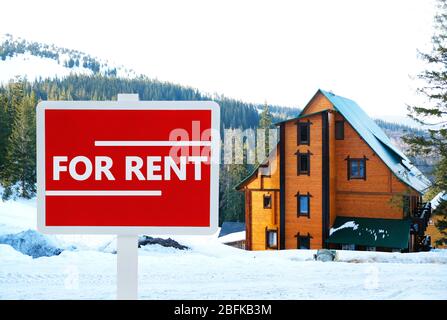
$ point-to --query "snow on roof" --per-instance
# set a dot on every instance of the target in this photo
(232, 237)
(349, 224)
(437, 199)
(379, 142)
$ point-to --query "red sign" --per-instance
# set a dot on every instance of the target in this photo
(128, 167)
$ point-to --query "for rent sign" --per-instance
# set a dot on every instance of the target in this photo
(128, 167)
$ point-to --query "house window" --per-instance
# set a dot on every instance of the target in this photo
(271, 239)
(357, 168)
(339, 130)
(304, 205)
(348, 247)
(303, 242)
(303, 133)
(303, 163)
(267, 201)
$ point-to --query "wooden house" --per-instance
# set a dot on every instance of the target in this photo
(335, 180)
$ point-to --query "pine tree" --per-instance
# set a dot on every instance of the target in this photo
(13, 94)
(265, 119)
(232, 204)
(434, 113)
(266, 123)
(5, 130)
(20, 168)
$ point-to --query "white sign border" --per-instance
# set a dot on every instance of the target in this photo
(128, 105)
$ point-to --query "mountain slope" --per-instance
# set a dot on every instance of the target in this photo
(35, 60)
(67, 74)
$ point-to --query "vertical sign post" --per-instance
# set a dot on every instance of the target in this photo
(128, 167)
(127, 251)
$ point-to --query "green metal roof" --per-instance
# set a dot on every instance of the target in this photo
(374, 136)
(372, 232)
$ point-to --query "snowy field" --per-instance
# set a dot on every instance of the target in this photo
(210, 270)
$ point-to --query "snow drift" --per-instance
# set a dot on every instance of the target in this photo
(32, 243)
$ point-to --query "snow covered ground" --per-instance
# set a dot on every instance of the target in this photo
(211, 270)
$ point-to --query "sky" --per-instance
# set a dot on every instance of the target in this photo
(257, 51)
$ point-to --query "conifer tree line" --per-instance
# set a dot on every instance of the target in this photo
(17, 141)
(433, 114)
(19, 97)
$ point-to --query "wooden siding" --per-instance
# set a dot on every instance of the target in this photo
(317, 104)
(303, 184)
(256, 216)
(263, 218)
(332, 169)
(376, 197)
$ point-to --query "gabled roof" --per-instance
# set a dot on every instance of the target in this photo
(374, 136)
(379, 142)
(264, 164)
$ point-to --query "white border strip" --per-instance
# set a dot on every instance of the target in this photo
(142, 143)
(103, 193)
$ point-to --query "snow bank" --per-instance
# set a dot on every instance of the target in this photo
(16, 216)
(32, 243)
(232, 237)
(10, 256)
(436, 257)
(21, 215)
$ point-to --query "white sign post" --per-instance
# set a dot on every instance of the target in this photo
(127, 251)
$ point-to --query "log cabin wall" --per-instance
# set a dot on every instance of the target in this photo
(379, 195)
(302, 184)
(263, 219)
(311, 225)
(259, 219)
(317, 104)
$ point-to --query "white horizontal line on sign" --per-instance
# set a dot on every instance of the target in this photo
(142, 143)
(103, 192)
